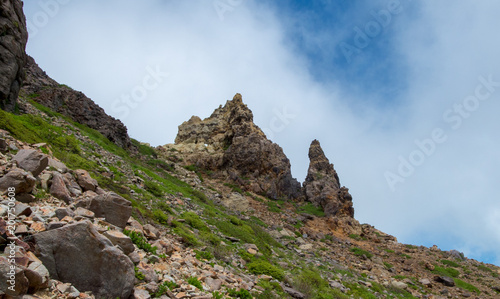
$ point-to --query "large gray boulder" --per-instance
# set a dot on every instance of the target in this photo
(111, 206)
(19, 179)
(58, 188)
(31, 160)
(13, 39)
(78, 254)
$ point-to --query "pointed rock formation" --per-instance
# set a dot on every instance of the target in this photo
(233, 147)
(322, 185)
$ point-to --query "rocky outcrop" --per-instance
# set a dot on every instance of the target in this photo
(74, 104)
(13, 38)
(230, 144)
(78, 254)
(322, 185)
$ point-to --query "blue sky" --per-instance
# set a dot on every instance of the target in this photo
(401, 94)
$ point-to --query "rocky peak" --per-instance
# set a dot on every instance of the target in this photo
(226, 122)
(230, 144)
(322, 185)
(13, 39)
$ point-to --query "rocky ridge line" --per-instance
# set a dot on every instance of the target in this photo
(74, 104)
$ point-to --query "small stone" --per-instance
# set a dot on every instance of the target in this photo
(22, 209)
(426, 282)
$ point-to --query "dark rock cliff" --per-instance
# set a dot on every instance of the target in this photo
(13, 38)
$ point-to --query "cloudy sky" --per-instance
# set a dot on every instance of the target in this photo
(403, 95)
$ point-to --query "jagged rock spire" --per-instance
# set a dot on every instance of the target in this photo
(236, 149)
(322, 185)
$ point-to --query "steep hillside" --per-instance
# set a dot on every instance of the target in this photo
(87, 212)
(93, 220)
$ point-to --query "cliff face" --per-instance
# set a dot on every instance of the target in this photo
(231, 145)
(13, 38)
(322, 185)
(72, 103)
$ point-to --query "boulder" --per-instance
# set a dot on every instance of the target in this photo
(19, 179)
(79, 255)
(31, 160)
(236, 202)
(445, 280)
(111, 206)
(58, 188)
(85, 180)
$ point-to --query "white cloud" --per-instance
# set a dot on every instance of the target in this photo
(105, 49)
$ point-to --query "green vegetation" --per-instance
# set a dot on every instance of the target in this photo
(234, 188)
(406, 256)
(450, 272)
(359, 291)
(140, 241)
(356, 237)
(263, 267)
(242, 293)
(138, 274)
(275, 206)
(162, 288)
(388, 250)
(484, 268)
(310, 283)
(466, 286)
(450, 263)
(204, 255)
(388, 265)
(309, 208)
(195, 282)
(360, 252)
(270, 288)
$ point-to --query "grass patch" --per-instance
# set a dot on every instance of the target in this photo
(195, 282)
(450, 272)
(313, 285)
(140, 241)
(309, 208)
(466, 286)
(450, 263)
(234, 188)
(360, 252)
(242, 294)
(388, 265)
(263, 267)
